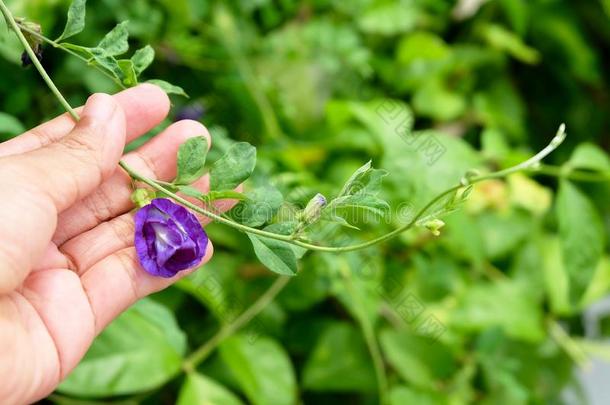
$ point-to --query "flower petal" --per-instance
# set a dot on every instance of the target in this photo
(168, 238)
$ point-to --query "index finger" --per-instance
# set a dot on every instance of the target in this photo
(145, 106)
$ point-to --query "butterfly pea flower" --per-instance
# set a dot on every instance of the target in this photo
(168, 238)
(193, 111)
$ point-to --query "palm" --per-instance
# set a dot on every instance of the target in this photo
(88, 274)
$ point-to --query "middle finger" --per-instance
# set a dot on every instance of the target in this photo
(155, 159)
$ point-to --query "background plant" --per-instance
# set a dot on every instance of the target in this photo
(305, 81)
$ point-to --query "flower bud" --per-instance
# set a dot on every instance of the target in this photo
(313, 210)
(33, 40)
(142, 196)
(434, 226)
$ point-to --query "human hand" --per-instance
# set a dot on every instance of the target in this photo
(67, 261)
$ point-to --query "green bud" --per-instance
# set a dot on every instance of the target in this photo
(313, 210)
(142, 197)
(434, 226)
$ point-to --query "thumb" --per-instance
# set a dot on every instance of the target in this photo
(68, 170)
(36, 186)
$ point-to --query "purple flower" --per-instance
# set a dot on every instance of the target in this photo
(168, 238)
(25, 57)
(192, 111)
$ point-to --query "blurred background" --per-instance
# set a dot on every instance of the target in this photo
(505, 306)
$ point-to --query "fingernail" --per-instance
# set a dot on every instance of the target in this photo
(99, 107)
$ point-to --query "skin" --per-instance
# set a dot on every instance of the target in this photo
(67, 262)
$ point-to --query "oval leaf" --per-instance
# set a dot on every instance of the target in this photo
(76, 19)
(234, 167)
(259, 207)
(141, 350)
(276, 255)
(142, 59)
(199, 389)
(115, 42)
(9, 126)
(191, 160)
(582, 237)
(262, 369)
(168, 87)
(339, 362)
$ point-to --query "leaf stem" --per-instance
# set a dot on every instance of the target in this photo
(15, 27)
(284, 238)
(57, 45)
(530, 163)
(557, 140)
(204, 350)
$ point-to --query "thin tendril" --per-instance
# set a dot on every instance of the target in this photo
(557, 140)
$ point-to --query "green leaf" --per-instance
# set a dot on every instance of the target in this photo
(504, 40)
(212, 286)
(76, 19)
(142, 59)
(556, 279)
(115, 42)
(140, 351)
(581, 232)
(509, 305)
(339, 362)
(262, 369)
(600, 284)
(389, 18)
(367, 202)
(433, 99)
(201, 390)
(358, 193)
(332, 216)
(500, 106)
(589, 156)
(128, 77)
(259, 207)
(364, 180)
(287, 228)
(421, 47)
(402, 395)
(234, 167)
(191, 160)
(9, 126)
(168, 87)
(419, 360)
(108, 62)
(387, 119)
(277, 256)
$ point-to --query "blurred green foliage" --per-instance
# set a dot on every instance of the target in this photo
(489, 312)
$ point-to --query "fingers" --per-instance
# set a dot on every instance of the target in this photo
(35, 186)
(145, 106)
(117, 282)
(109, 237)
(155, 159)
(74, 310)
(61, 303)
(69, 169)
